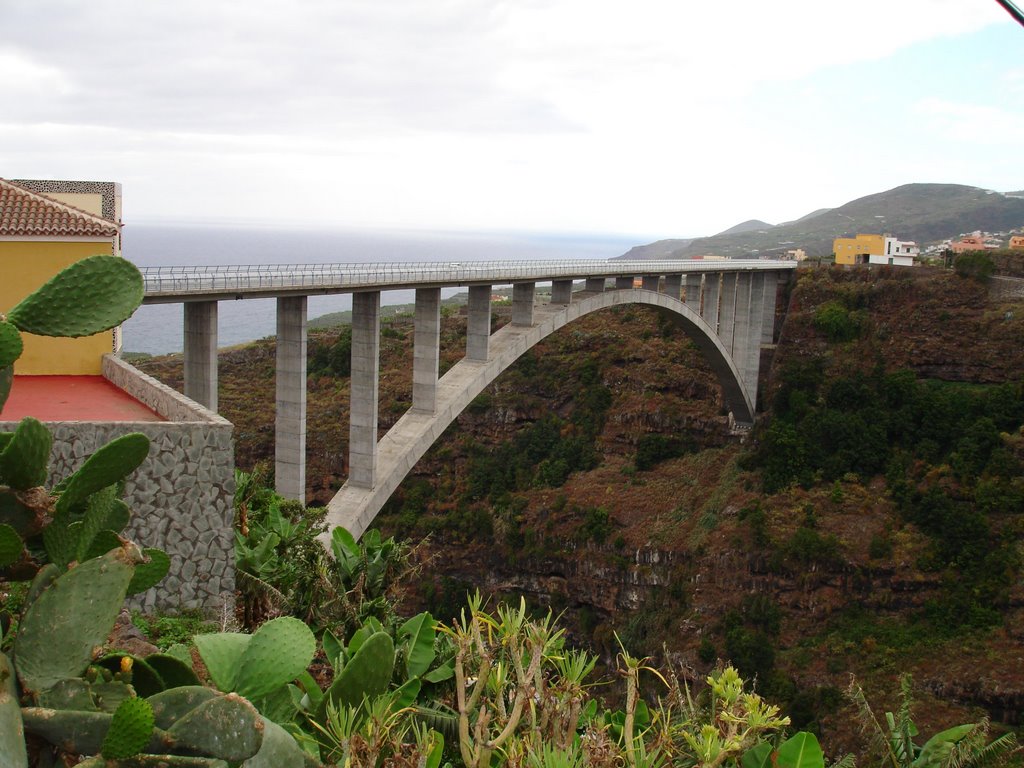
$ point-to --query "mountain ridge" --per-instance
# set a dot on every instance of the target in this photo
(920, 212)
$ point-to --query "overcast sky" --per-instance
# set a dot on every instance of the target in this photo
(660, 118)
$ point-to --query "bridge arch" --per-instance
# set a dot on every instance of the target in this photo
(414, 433)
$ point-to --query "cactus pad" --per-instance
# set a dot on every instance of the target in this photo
(171, 705)
(279, 748)
(24, 461)
(111, 463)
(6, 379)
(173, 671)
(129, 730)
(10, 344)
(367, 674)
(87, 297)
(227, 727)
(70, 619)
(16, 514)
(73, 693)
(278, 652)
(12, 733)
(143, 678)
(222, 653)
(10, 545)
(150, 573)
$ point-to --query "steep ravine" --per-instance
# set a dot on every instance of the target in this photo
(688, 557)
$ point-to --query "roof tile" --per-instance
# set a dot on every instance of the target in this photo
(24, 213)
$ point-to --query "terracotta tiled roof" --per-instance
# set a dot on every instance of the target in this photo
(24, 213)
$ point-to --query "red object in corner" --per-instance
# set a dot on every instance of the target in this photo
(72, 398)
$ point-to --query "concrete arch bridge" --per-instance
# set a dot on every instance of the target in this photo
(726, 307)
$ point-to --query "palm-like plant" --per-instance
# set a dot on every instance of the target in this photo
(962, 746)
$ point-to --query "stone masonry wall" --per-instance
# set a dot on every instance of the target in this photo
(182, 495)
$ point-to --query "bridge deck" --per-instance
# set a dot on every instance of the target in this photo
(209, 283)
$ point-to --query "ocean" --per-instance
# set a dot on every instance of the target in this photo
(158, 329)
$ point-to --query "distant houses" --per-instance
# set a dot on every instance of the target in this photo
(875, 249)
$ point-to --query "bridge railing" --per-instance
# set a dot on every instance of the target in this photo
(241, 279)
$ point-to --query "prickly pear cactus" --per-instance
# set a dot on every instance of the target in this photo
(130, 729)
(90, 296)
(367, 673)
(10, 344)
(254, 665)
(25, 457)
(278, 652)
(227, 727)
(12, 731)
(71, 618)
(111, 463)
(11, 545)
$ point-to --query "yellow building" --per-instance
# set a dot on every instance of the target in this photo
(44, 227)
(859, 249)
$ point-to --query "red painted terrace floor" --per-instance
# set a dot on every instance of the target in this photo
(72, 398)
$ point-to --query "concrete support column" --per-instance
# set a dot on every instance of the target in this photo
(712, 291)
(561, 292)
(771, 289)
(362, 441)
(522, 303)
(650, 282)
(594, 285)
(426, 355)
(201, 352)
(478, 322)
(727, 309)
(290, 417)
(741, 326)
(693, 291)
(673, 285)
(756, 335)
(623, 282)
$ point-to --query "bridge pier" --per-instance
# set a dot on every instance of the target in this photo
(623, 282)
(673, 286)
(650, 282)
(362, 441)
(771, 288)
(751, 365)
(741, 339)
(426, 349)
(201, 352)
(478, 322)
(290, 415)
(561, 292)
(594, 284)
(522, 303)
(712, 289)
(727, 309)
(693, 280)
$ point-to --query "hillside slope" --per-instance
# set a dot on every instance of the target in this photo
(919, 212)
(597, 476)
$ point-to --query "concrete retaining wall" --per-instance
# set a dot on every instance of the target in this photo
(182, 495)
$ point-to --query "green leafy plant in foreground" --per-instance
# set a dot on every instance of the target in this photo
(56, 689)
(894, 743)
